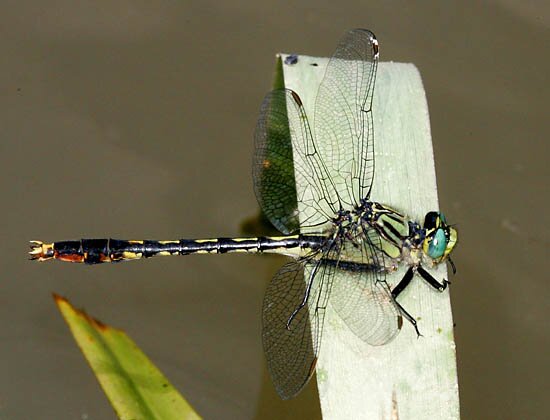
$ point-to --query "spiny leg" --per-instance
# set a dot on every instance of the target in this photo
(306, 296)
(397, 290)
(409, 318)
(431, 280)
(403, 283)
(453, 266)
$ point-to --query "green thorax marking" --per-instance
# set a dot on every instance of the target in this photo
(392, 226)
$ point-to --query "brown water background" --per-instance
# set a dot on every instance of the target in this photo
(135, 119)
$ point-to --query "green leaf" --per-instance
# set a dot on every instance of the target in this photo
(134, 386)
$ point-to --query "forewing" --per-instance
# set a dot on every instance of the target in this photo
(343, 118)
(285, 156)
(362, 298)
(273, 166)
(291, 353)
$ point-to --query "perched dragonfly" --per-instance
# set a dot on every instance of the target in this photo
(330, 226)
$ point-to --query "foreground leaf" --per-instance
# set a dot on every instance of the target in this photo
(134, 386)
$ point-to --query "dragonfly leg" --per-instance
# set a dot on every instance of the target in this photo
(304, 300)
(431, 280)
(409, 318)
(453, 266)
(403, 283)
(397, 290)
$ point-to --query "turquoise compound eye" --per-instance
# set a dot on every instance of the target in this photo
(438, 244)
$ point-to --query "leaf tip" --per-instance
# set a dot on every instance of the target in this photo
(59, 299)
(94, 322)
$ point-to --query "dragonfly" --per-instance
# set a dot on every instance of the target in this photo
(342, 244)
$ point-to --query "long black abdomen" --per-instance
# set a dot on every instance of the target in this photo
(97, 251)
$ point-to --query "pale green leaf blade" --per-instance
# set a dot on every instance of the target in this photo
(410, 377)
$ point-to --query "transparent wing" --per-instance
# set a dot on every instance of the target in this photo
(343, 118)
(273, 167)
(291, 353)
(335, 171)
(285, 155)
(362, 298)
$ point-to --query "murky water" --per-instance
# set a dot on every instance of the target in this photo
(133, 121)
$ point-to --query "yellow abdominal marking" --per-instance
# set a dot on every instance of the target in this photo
(244, 239)
(132, 255)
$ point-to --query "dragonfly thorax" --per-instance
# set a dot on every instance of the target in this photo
(403, 239)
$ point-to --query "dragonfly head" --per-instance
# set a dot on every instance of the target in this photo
(440, 238)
